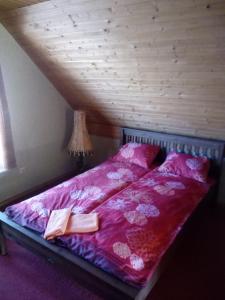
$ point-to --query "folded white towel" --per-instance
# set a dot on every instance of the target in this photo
(62, 222)
(57, 223)
(81, 223)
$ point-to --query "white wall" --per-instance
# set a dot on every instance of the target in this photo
(38, 120)
(104, 148)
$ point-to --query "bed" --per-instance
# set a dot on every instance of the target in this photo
(96, 272)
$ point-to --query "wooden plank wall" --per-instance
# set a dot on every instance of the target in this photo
(154, 64)
(13, 4)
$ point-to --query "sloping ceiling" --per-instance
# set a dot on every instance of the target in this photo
(13, 4)
(153, 64)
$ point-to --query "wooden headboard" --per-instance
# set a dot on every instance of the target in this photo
(212, 149)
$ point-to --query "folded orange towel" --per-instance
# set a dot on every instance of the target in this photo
(81, 223)
(57, 223)
(62, 222)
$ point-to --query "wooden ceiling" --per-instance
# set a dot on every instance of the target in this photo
(150, 64)
(13, 4)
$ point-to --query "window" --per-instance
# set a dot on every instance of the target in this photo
(7, 156)
(1, 154)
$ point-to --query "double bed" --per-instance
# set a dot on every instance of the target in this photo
(142, 213)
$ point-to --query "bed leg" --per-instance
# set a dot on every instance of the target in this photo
(3, 250)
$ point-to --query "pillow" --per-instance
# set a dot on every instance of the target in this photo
(139, 154)
(186, 165)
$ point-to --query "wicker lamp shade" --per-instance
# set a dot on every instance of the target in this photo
(80, 143)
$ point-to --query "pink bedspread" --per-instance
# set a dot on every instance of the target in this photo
(140, 215)
(83, 193)
(138, 224)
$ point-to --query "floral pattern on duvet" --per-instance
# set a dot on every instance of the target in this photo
(83, 193)
(138, 224)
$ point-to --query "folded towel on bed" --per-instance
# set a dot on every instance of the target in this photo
(57, 223)
(81, 223)
(62, 222)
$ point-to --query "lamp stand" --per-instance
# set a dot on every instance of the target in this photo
(80, 163)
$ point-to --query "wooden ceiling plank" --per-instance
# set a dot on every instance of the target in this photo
(151, 64)
(14, 4)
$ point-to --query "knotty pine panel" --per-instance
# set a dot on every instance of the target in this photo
(140, 63)
(13, 4)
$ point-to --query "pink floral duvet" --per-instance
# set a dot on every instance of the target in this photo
(138, 224)
(83, 193)
(140, 215)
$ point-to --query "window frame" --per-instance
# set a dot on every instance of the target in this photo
(9, 160)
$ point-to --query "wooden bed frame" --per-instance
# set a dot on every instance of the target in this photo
(97, 279)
